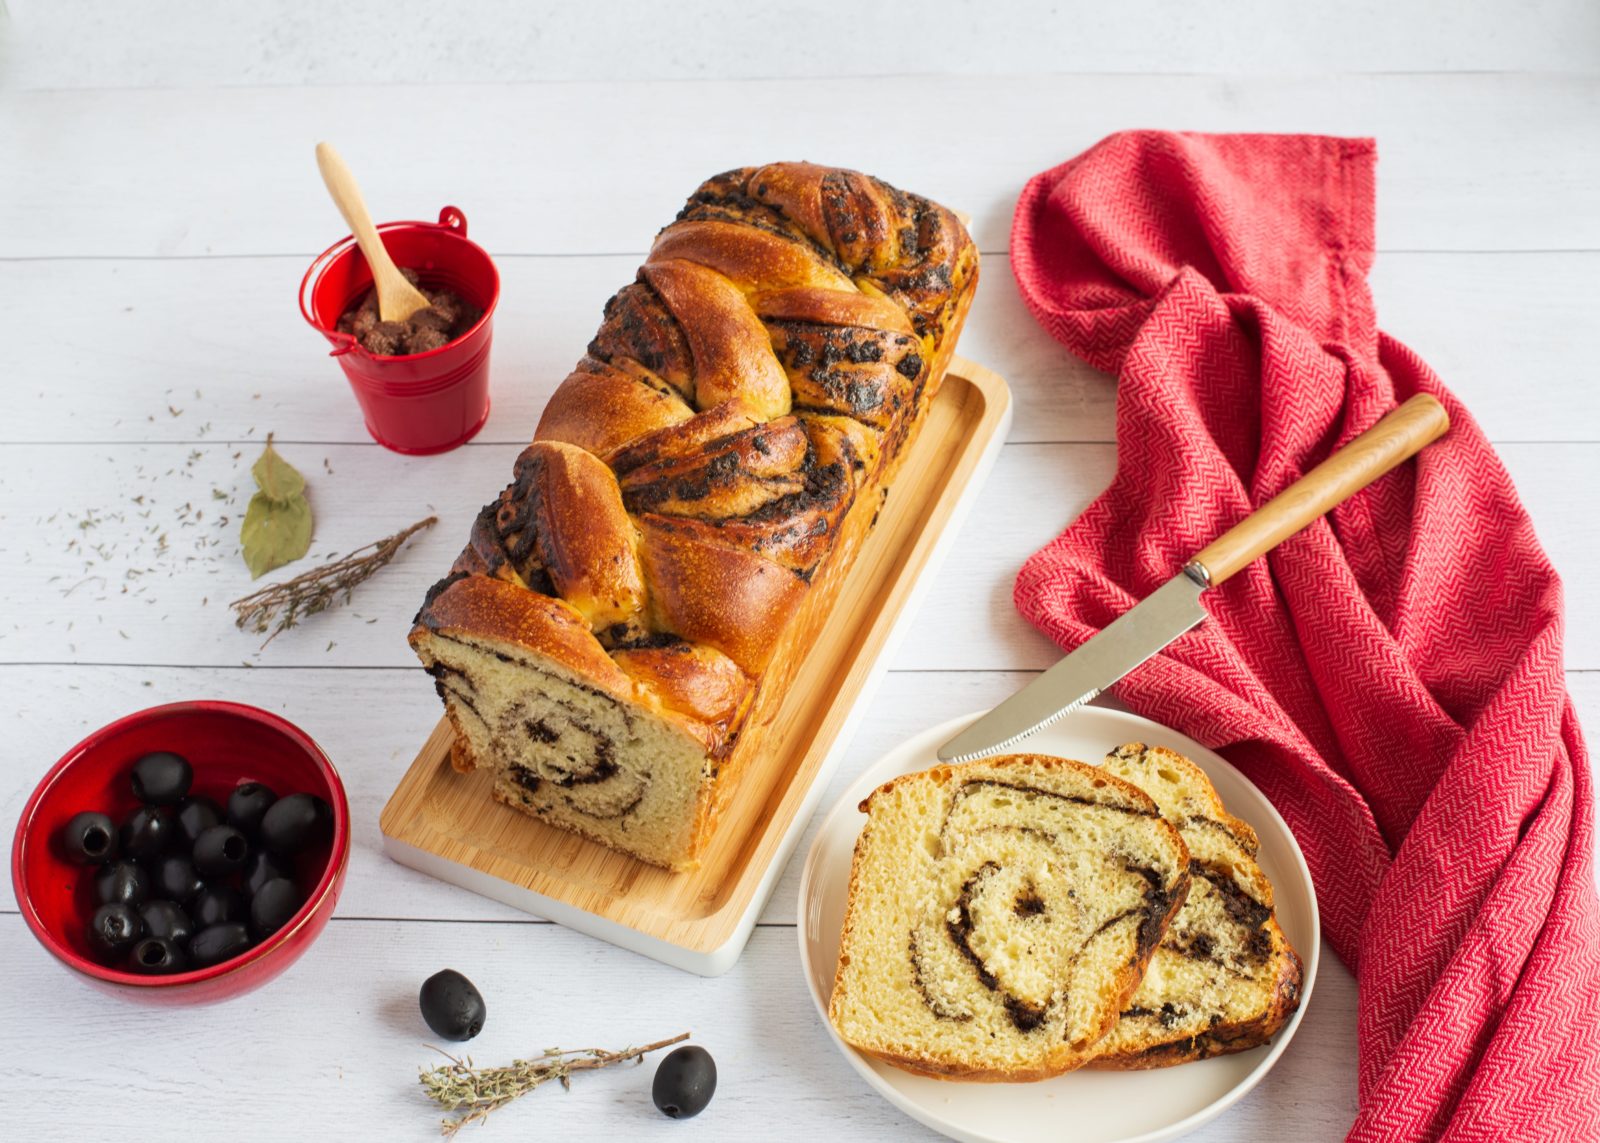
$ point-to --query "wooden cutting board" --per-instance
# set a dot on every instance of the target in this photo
(445, 824)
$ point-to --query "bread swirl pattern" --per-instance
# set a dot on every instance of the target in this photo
(623, 608)
(1000, 914)
(1224, 977)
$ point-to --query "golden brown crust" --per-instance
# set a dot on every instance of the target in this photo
(752, 260)
(480, 608)
(831, 307)
(731, 351)
(710, 593)
(691, 678)
(633, 407)
(738, 511)
(585, 538)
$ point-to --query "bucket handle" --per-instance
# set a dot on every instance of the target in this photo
(452, 218)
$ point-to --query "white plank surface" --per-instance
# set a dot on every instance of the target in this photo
(161, 326)
(1470, 162)
(156, 185)
(282, 42)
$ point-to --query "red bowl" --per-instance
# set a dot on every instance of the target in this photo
(227, 743)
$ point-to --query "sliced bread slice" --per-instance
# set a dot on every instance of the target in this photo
(1000, 914)
(1224, 977)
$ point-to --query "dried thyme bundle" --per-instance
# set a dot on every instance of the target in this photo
(280, 606)
(473, 1092)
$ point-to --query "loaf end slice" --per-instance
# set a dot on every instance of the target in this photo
(1000, 914)
(1224, 978)
(569, 737)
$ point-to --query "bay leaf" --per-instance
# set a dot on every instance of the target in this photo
(275, 532)
(277, 478)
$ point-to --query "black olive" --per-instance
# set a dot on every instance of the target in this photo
(157, 956)
(218, 943)
(685, 1082)
(248, 804)
(263, 867)
(113, 929)
(121, 881)
(219, 851)
(216, 904)
(162, 778)
(272, 906)
(166, 920)
(146, 833)
(292, 823)
(176, 878)
(90, 838)
(195, 816)
(452, 1005)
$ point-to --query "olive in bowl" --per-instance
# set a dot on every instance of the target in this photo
(226, 744)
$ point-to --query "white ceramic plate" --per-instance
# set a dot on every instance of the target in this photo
(1100, 1106)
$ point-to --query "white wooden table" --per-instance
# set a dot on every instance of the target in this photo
(157, 186)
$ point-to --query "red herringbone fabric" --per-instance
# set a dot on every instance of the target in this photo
(1391, 677)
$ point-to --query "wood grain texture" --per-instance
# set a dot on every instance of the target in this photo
(72, 577)
(334, 1046)
(1400, 435)
(831, 649)
(283, 42)
(70, 152)
(1489, 255)
(127, 352)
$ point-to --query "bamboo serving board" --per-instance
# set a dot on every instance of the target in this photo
(445, 824)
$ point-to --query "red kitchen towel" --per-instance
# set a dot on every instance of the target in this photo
(1391, 677)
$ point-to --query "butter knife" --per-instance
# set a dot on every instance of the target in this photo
(1175, 606)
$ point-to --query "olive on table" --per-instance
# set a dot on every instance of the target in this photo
(121, 881)
(146, 833)
(162, 778)
(157, 956)
(113, 929)
(685, 1081)
(452, 1005)
(90, 838)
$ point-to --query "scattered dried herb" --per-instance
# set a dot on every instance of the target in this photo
(280, 606)
(473, 1092)
(277, 524)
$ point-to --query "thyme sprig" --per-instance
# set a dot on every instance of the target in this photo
(472, 1092)
(280, 606)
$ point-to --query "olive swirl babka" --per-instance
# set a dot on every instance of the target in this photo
(1000, 915)
(1224, 977)
(617, 635)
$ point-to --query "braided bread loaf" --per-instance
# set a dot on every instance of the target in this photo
(617, 636)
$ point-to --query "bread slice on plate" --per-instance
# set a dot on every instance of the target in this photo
(1224, 977)
(1000, 915)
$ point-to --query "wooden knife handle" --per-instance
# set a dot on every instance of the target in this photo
(1399, 436)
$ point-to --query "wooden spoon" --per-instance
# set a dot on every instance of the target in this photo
(398, 299)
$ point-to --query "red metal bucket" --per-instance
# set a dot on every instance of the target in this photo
(423, 402)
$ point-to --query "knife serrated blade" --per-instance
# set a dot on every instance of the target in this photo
(1129, 640)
